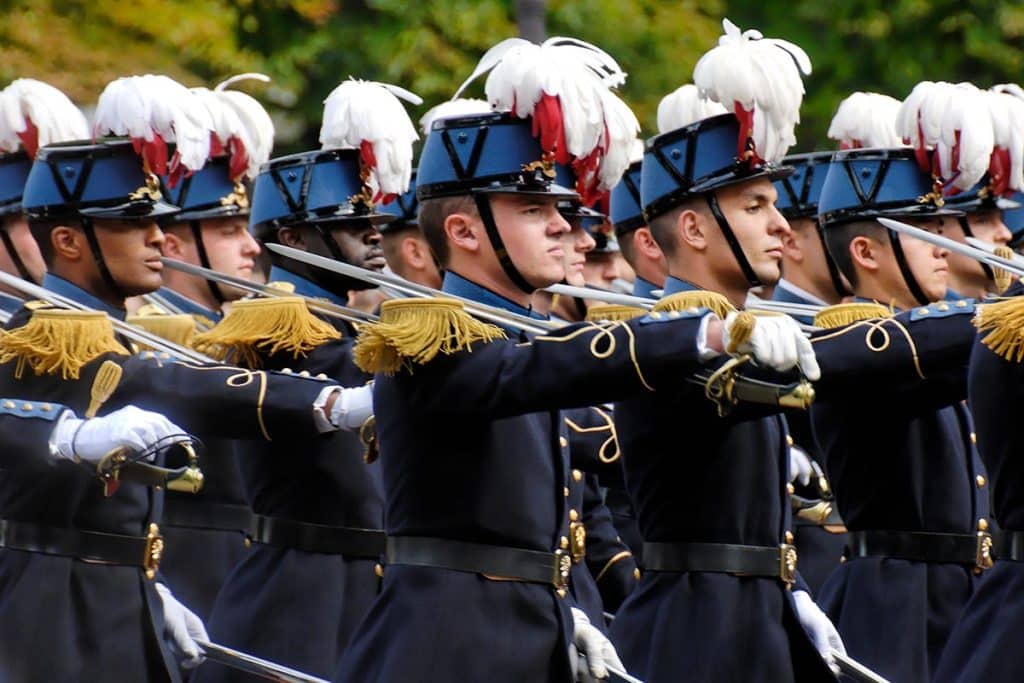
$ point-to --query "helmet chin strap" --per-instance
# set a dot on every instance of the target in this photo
(965, 225)
(483, 206)
(908, 275)
(204, 260)
(97, 257)
(337, 255)
(833, 269)
(730, 238)
(19, 265)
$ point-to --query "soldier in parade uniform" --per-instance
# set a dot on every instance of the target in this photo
(406, 251)
(318, 517)
(473, 473)
(636, 243)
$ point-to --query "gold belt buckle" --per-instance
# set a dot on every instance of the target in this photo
(577, 541)
(983, 552)
(787, 563)
(562, 566)
(154, 551)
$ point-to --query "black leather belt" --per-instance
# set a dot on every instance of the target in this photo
(746, 560)
(317, 538)
(1009, 545)
(201, 514)
(517, 564)
(89, 546)
(923, 546)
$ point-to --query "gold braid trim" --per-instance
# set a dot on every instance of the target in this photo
(266, 326)
(414, 331)
(1002, 278)
(55, 340)
(178, 328)
(599, 312)
(1003, 322)
(841, 315)
(681, 301)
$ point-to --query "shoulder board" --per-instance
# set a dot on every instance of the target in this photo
(842, 315)
(668, 316)
(699, 298)
(282, 286)
(599, 312)
(38, 304)
(19, 408)
(943, 309)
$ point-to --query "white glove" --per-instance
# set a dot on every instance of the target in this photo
(800, 467)
(590, 652)
(352, 408)
(820, 629)
(182, 627)
(129, 427)
(776, 341)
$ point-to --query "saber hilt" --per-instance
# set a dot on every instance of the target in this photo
(119, 466)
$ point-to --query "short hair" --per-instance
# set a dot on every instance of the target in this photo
(432, 215)
(627, 247)
(663, 228)
(838, 238)
(41, 229)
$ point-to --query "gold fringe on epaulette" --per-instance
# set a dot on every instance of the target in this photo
(255, 327)
(1001, 325)
(178, 328)
(698, 298)
(606, 312)
(1002, 278)
(841, 315)
(414, 331)
(59, 341)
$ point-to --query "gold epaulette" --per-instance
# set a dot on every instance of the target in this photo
(697, 298)
(599, 312)
(38, 304)
(1001, 326)
(841, 315)
(59, 341)
(178, 328)
(413, 331)
(282, 286)
(265, 326)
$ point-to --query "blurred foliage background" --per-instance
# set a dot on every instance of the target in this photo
(430, 46)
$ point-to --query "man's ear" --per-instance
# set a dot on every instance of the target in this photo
(691, 230)
(415, 252)
(173, 246)
(792, 248)
(644, 243)
(68, 243)
(462, 232)
(291, 237)
(864, 252)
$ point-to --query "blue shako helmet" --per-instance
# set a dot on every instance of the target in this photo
(83, 182)
(865, 184)
(14, 168)
(481, 154)
(798, 198)
(405, 208)
(694, 161)
(208, 193)
(625, 211)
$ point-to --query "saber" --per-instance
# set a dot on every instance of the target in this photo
(600, 295)
(161, 302)
(952, 245)
(989, 248)
(254, 665)
(345, 313)
(855, 670)
(130, 331)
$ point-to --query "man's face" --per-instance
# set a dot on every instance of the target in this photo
(601, 270)
(749, 207)
(359, 242)
(966, 274)
(230, 249)
(927, 262)
(28, 250)
(131, 250)
(576, 243)
(532, 229)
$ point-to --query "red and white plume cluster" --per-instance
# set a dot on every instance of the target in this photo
(950, 128)
(368, 116)
(757, 79)
(460, 106)
(866, 119)
(1006, 169)
(564, 86)
(684, 106)
(242, 128)
(154, 110)
(34, 114)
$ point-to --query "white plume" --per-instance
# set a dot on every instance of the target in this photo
(26, 103)
(451, 108)
(1007, 112)
(758, 78)
(149, 107)
(367, 116)
(866, 119)
(636, 151)
(955, 123)
(239, 119)
(684, 106)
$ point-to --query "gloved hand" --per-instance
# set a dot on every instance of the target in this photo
(131, 427)
(800, 467)
(351, 409)
(818, 626)
(182, 627)
(774, 340)
(590, 651)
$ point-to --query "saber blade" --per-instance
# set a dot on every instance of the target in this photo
(952, 245)
(855, 670)
(254, 665)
